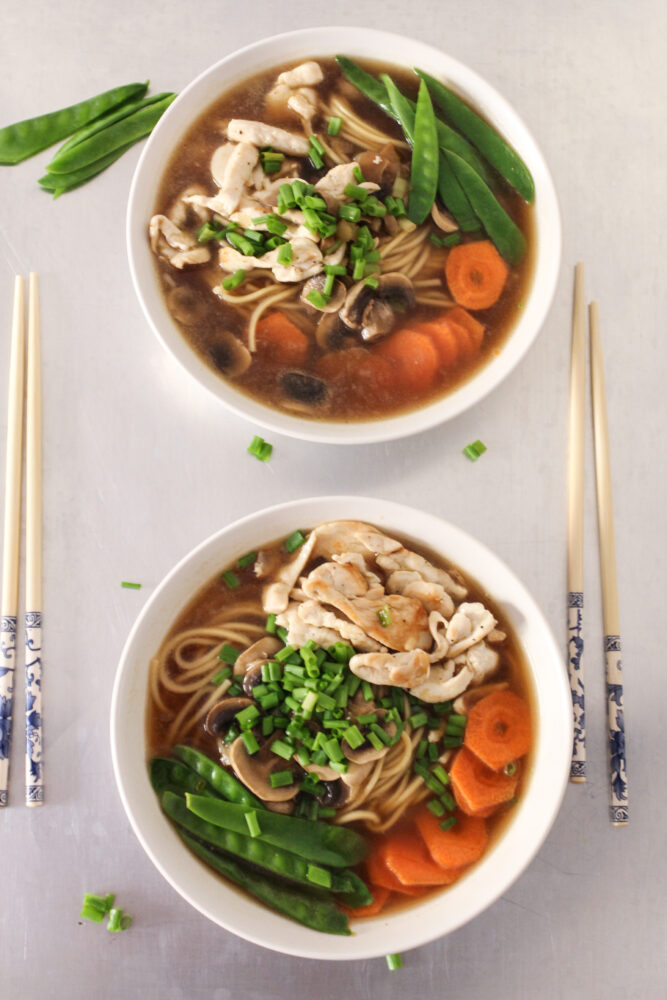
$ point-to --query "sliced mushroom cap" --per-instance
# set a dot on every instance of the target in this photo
(316, 284)
(230, 356)
(302, 391)
(333, 793)
(444, 220)
(356, 773)
(259, 652)
(331, 333)
(254, 770)
(380, 166)
(222, 714)
(252, 677)
(394, 291)
(186, 305)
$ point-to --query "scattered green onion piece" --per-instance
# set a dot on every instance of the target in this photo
(315, 158)
(333, 128)
(130, 586)
(358, 176)
(435, 240)
(234, 280)
(452, 741)
(260, 448)
(252, 822)
(280, 779)
(433, 752)
(241, 244)
(510, 769)
(95, 908)
(294, 542)
(222, 675)
(372, 282)
(282, 749)
(228, 653)
(317, 299)
(374, 208)
(350, 213)
(316, 144)
(447, 800)
(338, 765)
(418, 719)
(251, 744)
(271, 625)
(232, 733)
(328, 285)
(394, 962)
(441, 774)
(451, 240)
(285, 254)
(359, 269)
(353, 737)
(231, 579)
(367, 691)
(436, 807)
(356, 192)
(247, 559)
(448, 823)
(247, 717)
(474, 450)
(115, 917)
(384, 616)
(422, 748)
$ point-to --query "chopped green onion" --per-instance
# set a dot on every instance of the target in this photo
(333, 128)
(375, 741)
(356, 192)
(285, 254)
(252, 821)
(359, 177)
(448, 823)
(447, 801)
(350, 213)
(338, 765)
(441, 774)
(319, 876)
(339, 270)
(359, 269)
(247, 559)
(418, 719)
(280, 779)
(433, 752)
(294, 542)
(316, 144)
(451, 240)
(394, 962)
(115, 917)
(284, 653)
(130, 586)
(436, 807)
(247, 717)
(315, 158)
(384, 616)
(372, 282)
(452, 741)
(381, 734)
(229, 654)
(367, 691)
(318, 299)
(353, 737)
(269, 700)
(231, 579)
(260, 448)
(328, 285)
(251, 744)
(435, 240)
(474, 450)
(510, 769)
(95, 908)
(374, 208)
(281, 748)
(222, 675)
(422, 748)
(234, 280)
(240, 243)
(271, 624)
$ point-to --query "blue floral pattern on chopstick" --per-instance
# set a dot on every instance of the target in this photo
(33, 707)
(618, 783)
(7, 664)
(575, 648)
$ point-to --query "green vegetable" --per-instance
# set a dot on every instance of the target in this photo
(401, 107)
(62, 183)
(25, 138)
(384, 616)
(333, 128)
(110, 118)
(130, 586)
(367, 84)
(220, 780)
(170, 774)
(506, 235)
(498, 152)
(229, 654)
(231, 579)
(260, 448)
(256, 850)
(294, 542)
(425, 158)
(448, 823)
(474, 450)
(454, 197)
(316, 912)
(394, 962)
(118, 921)
(121, 133)
(95, 908)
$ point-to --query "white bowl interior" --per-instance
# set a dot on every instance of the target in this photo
(382, 46)
(425, 921)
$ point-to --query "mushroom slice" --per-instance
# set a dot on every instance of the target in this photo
(394, 291)
(230, 356)
(186, 305)
(331, 333)
(444, 220)
(465, 701)
(316, 284)
(255, 771)
(378, 320)
(356, 774)
(222, 713)
(380, 166)
(302, 391)
(259, 652)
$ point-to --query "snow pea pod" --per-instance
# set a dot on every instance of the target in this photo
(115, 115)
(499, 153)
(425, 157)
(172, 774)
(25, 138)
(323, 843)
(60, 183)
(507, 237)
(454, 197)
(220, 780)
(121, 133)
(368, 85)
(402, 110)
(316, 912)
(279, 862)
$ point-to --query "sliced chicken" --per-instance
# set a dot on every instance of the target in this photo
(182, 208)
(275, 596)
(433, 596)
(470, 624)
(332, 186)
(356, 559)
(180, 249)
(345, 588)
(395, 669)
(404, 559)
(437, 627)
(314, 614)
(299, 632)
(442, 683)
(481, 659)
(219, 162)
(258, 134)
(237, 172)
(303, 102)
(307, 74)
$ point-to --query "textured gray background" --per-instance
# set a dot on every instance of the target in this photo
(140, 465)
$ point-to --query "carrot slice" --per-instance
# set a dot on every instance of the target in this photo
(498, 729)
(380, 896)
(444, 340)
(355, 366)
(476, 786)
(280, 341)
(476, 274)
(413, 356)
(464, 341)
(472, 325)
(379, 874)
(406, 856)
(457, 847)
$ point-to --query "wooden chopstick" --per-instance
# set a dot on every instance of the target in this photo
(575, 526)
(33, 571)
(618, 782)
(12, 531)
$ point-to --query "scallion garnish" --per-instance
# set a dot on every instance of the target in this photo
(252, 822)
(285, 254)
(318, 299)
(231, 579)
(260, 448)
(280, 779)
(349, 212)
(251, 744)
(451, 240)
(333, 128)
(384, 616)
(510, 769)
(356, 192)
(448, 823)
(130, 586)
(372, 282)
(474, 450)
(247, 559)
(294, 542)
(235, 279)
(436, 807)
(222, 675)
(358, 176)
(394, 962)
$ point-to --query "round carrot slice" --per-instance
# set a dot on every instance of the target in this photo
(444, 340)
(498, 729)
(472, 325)
(457, 847)
(379, 874)
(280, 341)
(413, 356)
(476, 274)
(406, 856)
(478, 788)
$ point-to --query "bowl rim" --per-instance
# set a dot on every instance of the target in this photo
(501, 865)
(323, 42)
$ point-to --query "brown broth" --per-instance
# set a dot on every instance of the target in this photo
(357, 391)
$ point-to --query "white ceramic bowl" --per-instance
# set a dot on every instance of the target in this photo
(425, 921)
(359, 43)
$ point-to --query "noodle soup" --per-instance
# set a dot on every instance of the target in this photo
(289, 256)
(338, 724)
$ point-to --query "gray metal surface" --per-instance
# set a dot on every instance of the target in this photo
(140, 464)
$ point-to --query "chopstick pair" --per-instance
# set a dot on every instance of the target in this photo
(24, 378)
(618, 784)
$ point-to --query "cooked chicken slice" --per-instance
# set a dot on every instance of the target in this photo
(437, 626)
(238, 169)
(303, 102)
(305, 75)
(496, 636)
(396, 669)
(332, 186)
(433, 596)
(470, 624)
(345, 588)
(481, 660)
(403, 558)
(356, 559)
(275, 596)
(337, 537)
(219, 162)
(181, 207)
(175, 246)
(442, 683)
(314, 614)
(299, 632)
(306, 261)
(259, 134)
